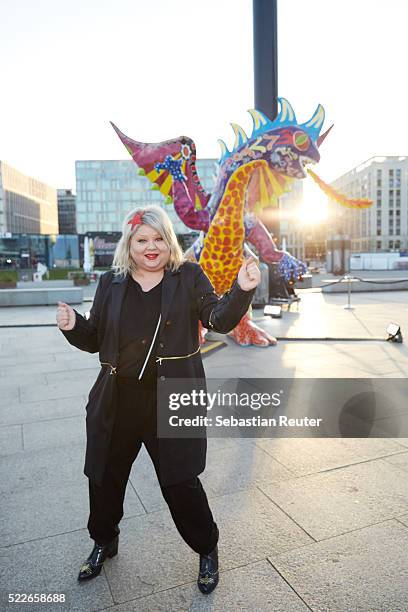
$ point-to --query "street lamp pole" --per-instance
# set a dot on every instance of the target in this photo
(265, 35)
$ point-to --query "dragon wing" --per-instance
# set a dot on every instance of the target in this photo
(265, 188)
(181, 150)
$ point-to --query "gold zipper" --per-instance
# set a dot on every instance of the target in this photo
(160, 359)
(113, 368)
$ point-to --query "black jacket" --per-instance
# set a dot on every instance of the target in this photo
(187, 297)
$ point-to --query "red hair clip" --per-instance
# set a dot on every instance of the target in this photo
(136, 219)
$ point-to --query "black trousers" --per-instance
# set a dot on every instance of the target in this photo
(136, 424)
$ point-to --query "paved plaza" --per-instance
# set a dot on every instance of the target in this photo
(305, 524)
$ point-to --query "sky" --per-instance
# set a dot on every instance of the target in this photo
(163, 68)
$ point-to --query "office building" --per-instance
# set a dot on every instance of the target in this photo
(383, 226)
(106, 190)
(26, 204)
(66, 211)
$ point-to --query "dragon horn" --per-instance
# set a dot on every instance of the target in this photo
(240, 136)
(314, 125)
(260, 121)
(224, 151)
(286, 113)
(323, 136)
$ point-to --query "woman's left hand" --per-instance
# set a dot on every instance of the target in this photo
(249, 275)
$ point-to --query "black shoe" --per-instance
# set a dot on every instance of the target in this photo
(93, 565)
(208, 574)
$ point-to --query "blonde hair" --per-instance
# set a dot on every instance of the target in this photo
(159, 220)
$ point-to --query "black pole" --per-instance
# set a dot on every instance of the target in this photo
(265, 32)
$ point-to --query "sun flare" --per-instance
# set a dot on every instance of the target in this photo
(312, 213)
(313, 208)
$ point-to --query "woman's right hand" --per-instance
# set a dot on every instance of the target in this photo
(65, 316)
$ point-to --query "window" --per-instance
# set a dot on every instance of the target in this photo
(378, 244)
(379, 193)
(397, 244)
(378, 232)
(391, 244)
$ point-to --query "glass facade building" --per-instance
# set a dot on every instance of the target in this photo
(26, 204)
(24, 251)
(107, 190)
(66, 211)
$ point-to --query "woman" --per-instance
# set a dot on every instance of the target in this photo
(144, 324)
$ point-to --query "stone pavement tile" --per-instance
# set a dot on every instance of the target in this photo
(403, 519)
(400, 460)
(364, 357)
(73, 355)
(144, 480)
(51, 565)
(44, 410)
(45, 467)
(87, 376)
(73, 386)
(365, 570)
(241, 467)
(54, 433)
(255, 587)
(11, 439)
(78, 361)
(152, 556)
(33, 367)
(20, 359)
(216, 444)
(310, 455)
(8, 394)
(335, 502)
(402, 441)
(308, 360)
(49, 510)
(397, 373)
(39, 347)
(334, 370)
(13, 380)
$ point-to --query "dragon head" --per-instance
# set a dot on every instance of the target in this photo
(292, 150)
(285, 145)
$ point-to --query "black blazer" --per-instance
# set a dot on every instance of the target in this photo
(187, 297)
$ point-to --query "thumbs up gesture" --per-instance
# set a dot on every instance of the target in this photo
(249, 275)
(65, 316)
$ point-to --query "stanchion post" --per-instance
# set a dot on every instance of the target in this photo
(348, 277)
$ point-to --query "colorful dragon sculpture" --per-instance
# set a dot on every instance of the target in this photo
(252, 176)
